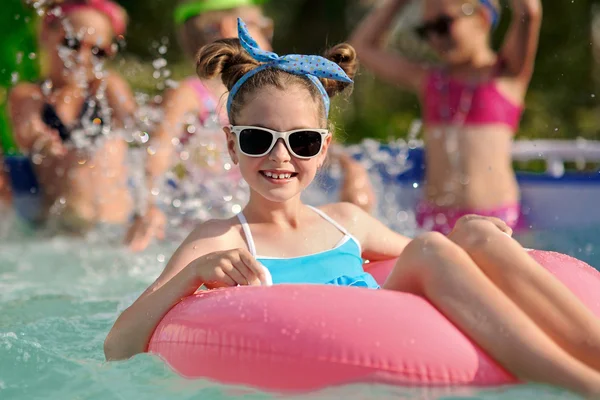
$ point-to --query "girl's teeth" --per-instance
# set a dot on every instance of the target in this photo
(277, 176)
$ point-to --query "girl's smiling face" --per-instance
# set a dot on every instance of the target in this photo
(279, 110)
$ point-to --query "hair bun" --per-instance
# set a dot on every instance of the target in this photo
(343, 55)
(225, 57)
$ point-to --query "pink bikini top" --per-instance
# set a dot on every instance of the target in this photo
(451, 101)
(209, 106)
(208, 101)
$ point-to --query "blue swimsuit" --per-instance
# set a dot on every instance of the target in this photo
(342, 265)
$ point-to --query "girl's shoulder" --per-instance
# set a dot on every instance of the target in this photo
(217, 235)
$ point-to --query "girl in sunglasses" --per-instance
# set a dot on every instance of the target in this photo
(279, 137)
(80, 186)
(471, 104)
(199, 23)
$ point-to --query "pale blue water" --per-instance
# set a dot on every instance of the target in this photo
(59, 297)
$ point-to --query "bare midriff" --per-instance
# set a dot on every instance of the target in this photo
(89, 188)
(478, 175)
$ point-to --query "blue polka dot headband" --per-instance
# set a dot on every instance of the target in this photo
(313, 67)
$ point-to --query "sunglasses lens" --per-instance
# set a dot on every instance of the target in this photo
(71, 43)
(442, 26)
(99, 52)
(421, 32)
(255, 141)
(305, 143)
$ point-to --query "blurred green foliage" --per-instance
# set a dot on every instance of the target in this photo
(561, 102)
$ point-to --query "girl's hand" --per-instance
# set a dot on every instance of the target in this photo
(357, 189)
(500, 224)
(229, 268)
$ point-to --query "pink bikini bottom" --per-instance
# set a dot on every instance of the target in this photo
(442, 219)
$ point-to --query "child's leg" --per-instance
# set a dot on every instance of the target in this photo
(552, 306)
(438, 269)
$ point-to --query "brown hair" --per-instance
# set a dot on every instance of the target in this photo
(228, 59)
(196, 32)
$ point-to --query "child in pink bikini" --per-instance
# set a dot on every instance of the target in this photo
(471, 105)
(201, 22)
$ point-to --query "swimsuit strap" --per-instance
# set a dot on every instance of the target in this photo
(247, 233)
(338, 226)
(52, 120)
(250, 239)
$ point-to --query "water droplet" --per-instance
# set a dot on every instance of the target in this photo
(162, 49)
(160, 258)
(37, 159)
(144, 137)
(159, 63)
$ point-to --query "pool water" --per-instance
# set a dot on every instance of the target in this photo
(60, 296)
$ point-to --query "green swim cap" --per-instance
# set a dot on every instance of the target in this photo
(185, 11)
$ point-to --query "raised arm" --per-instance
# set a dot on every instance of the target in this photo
(520, 47)
(121, 100)
(368, 40)
(177, 104)
(32, 135)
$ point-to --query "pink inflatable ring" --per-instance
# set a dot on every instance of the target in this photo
(288, 338)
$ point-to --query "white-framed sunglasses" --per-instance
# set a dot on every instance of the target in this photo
(255, 141)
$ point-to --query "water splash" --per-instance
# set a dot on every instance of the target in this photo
(204, 183)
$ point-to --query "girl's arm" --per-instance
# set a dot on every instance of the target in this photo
(520, 47)
(368, 40)
(134, 327)
(177, 104)
(31, 134)
(121, 100)
(203, 258)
